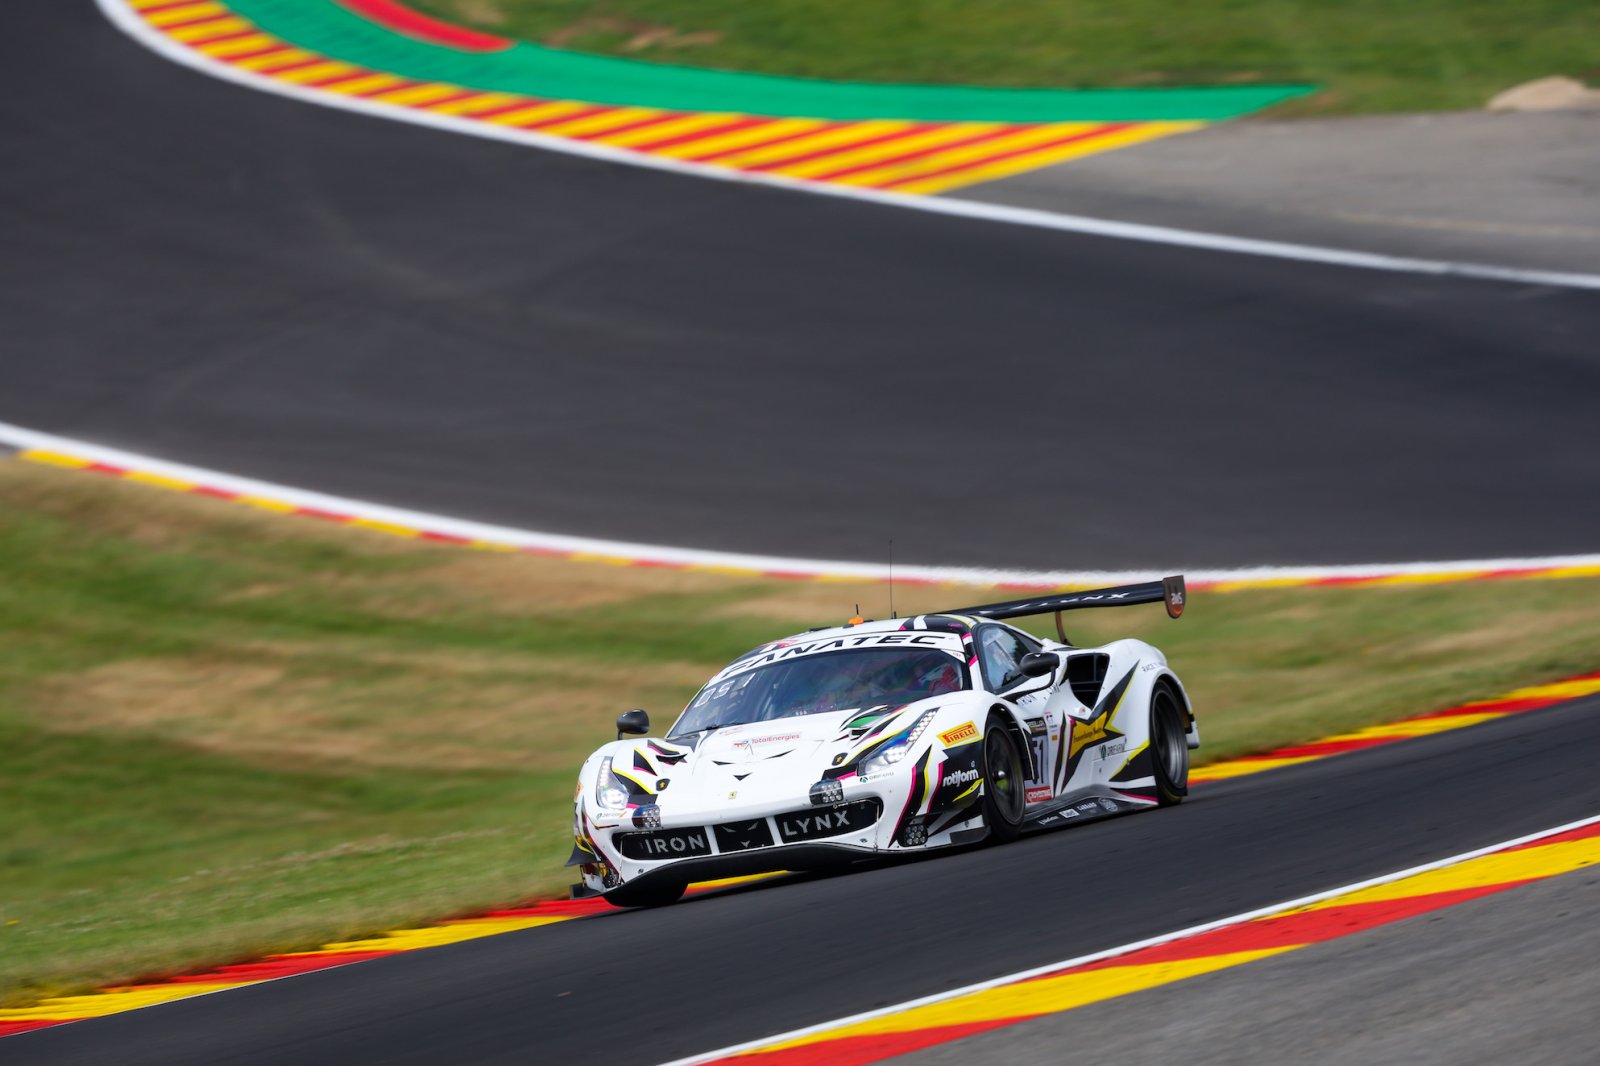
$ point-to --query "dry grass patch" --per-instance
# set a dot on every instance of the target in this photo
(224, 732)
(444, 711)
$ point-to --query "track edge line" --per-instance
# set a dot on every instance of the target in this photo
(127, 20)
(1156, 941)
(560, 544)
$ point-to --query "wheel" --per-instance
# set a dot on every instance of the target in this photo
(651, 894)
(1003, 782)
(1169, 748)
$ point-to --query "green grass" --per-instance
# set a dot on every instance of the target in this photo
(1370, 56)
(224, 732)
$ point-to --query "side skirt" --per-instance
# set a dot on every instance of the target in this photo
(1082, 805)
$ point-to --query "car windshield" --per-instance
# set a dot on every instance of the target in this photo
(814, 684)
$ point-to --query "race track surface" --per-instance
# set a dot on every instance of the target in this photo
(227, 279)
(650, 986)
(215, 276)
(1510, 978)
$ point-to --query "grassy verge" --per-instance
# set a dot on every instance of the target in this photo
(1369, 56)
(224, 732)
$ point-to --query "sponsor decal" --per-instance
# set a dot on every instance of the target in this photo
(664, 844)
(677, 845)
(823, 820)
(1090, 732)
(1039, 795)
(752, 746)
(960, 777)
(1107, 804)
(955, 736)
(775, 738)
(1116, 747)
(808, 825)
(946, 642)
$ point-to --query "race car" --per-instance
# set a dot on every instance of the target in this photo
(886, 737)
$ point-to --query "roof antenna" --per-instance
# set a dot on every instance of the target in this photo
(891, 579)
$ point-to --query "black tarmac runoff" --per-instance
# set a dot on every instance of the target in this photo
(217, 276)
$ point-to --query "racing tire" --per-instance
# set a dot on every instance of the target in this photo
(1003, 783)
(1169, 748)
(654, 894)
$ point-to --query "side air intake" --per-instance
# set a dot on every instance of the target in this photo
(1086, 673)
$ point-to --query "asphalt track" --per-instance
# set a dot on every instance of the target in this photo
(650, 986)
(199, 272)
(211, 275)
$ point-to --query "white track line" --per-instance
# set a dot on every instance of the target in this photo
(23, 438)
(126, 19)
(1167, 938)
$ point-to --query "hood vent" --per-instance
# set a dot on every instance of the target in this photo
(1086, 674)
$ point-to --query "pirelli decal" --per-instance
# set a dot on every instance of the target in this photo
(961, 733)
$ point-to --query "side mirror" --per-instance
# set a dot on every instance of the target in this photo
(1040, 663)
(634, 722)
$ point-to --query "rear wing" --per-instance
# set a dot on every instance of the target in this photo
(1169, 590)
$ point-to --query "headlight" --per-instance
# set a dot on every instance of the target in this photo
(898, 748)
(607, 796)
(887, 757)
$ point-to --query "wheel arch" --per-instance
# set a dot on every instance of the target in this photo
(1169, 680)
(1010, 723)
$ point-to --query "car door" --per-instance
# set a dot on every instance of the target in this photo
(1000, 652)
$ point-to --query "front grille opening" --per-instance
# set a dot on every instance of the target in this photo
(814, 823)
(821, 822)
(1086, 674)
(743, 836)
(664, 844)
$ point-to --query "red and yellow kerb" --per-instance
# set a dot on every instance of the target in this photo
(893, 155)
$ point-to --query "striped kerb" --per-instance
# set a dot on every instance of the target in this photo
(894, 155)
(1377, 579)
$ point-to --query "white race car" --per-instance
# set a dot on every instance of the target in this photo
(885, 737)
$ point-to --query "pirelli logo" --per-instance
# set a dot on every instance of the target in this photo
(958, 734)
